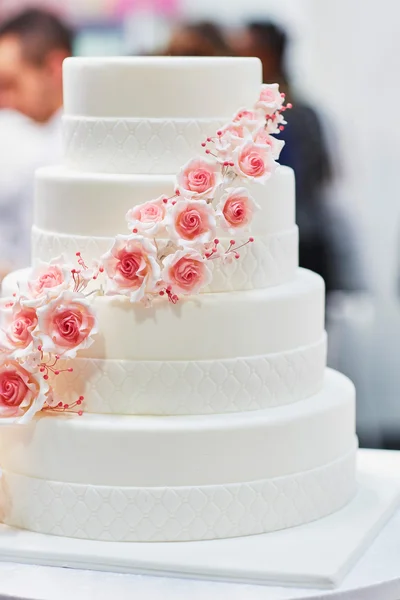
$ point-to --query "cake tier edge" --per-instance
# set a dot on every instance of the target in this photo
(144, 451)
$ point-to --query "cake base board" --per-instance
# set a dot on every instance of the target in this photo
(316, 555)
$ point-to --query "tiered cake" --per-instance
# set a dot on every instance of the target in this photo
(212, 417)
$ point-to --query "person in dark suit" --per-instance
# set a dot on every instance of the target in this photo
(325, 235)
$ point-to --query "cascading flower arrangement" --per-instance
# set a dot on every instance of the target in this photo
(170, 252)
(174, 239)
(50, 318)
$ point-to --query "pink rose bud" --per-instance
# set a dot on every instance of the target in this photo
(254, 161)
(147, 218)
(186, 272)
(192, 222)
(131, 267)
(199, 178)
(236, 209)
(21, 393)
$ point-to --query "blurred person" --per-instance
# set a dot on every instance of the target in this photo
(33, 45)
(325, 234)
(198, 39)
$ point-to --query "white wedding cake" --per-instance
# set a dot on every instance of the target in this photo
(195, 413)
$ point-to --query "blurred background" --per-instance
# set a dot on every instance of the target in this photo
(337, 60)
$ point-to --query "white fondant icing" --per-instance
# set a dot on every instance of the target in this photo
(208, 326)
(160, 87)
(211, 326)
(195, 387)
(270, 260)
(259, 351)
(95, 204)
(185, 450)
(129, 514)
(134, 145)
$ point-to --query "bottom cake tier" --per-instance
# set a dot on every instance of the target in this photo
(181, 478)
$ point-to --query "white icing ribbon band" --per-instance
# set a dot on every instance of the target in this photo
(129, 514)
(271, 261)
(194, 387)
(142, 146)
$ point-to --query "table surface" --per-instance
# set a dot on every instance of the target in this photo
(375, 577)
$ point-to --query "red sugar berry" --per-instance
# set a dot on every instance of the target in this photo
(290, 105)
(208, 151)
(237, 255)
(66, 406)
(177, 193)
(226, 163)
(134, 230)
(59, 404)
(232, 242)
(70, 369)
(219, 132)
(203, 144)
(101, 269)
(56, 372)
(251, 239)
(216, 241)
(232, 164)
(42, 369)
(173, 202)
(208, 139)
(80, 412)
(77, 254)
(165, 200)
(81, 398)
(161, 293)
(281, 128)
(79, 402)
(39, 348)
(214, 250)
(45, 377)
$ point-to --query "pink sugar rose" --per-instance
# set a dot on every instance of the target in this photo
(199, 178)
(46, 280)
(186, 272)
(270, 99)
(131, 267)
(261, 136)
(247, 118)
(147, 218)
(236, 209)
(22, 393)
(191, 222)
(17, 325)
(254, 161)
(66, 324)
(231, 136)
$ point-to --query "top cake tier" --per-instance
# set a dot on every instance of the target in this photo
(150, 114)
(160, 87)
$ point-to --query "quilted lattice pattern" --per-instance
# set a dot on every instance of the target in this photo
(195, 387)
(269, 261)
(46, 245)
(179, 513)
(134, 145)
